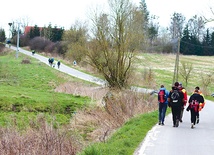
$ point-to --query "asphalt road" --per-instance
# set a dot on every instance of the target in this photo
(168, 140)
(64, 68)
(163, 140)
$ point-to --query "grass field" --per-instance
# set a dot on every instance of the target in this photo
(162, 67)
(29, 89)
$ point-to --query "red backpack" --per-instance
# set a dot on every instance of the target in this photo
(194, 105)
(162, 96)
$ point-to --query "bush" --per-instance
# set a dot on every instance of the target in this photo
(24, 40)
(26, 61)
(39, 43)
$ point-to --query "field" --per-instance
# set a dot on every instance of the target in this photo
(162, 67)
(31, 90)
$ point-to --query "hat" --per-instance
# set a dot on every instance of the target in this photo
(176, 84)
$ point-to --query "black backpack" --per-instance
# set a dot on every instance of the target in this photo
(175, 96)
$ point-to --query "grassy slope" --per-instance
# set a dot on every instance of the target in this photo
(28, 89)
(24, 84)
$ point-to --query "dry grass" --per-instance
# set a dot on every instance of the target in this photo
(112, 109)
(40, 139)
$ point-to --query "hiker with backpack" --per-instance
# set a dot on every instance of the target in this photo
(201, 105)
(194, 103)
(185, 100)
(162, 103)
(175, 102)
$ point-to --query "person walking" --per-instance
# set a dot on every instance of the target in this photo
(33, 52)
(162, 103)
(175, 102)
(194, 101)
(201, 105)
(58, 64)
(185, 100)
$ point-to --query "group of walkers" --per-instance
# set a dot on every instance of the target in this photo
(52, 62)
(176, 99)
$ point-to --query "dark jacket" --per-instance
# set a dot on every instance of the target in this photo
(180, 100)
(196, 96)
(194, 101)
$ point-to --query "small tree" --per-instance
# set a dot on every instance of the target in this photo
(185, 71)
(75, 41)
(206, 79)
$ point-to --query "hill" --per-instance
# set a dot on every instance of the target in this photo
(30, 88)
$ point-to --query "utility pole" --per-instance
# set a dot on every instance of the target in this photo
(10, 30)
(17, 47)
(176, 69)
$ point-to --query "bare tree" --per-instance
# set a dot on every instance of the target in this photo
(185, 71)
(206, 79)
(177, 23)
(207, 20)
(116, 36)
(196, 26)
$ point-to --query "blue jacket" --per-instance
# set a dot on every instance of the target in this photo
(167, 94)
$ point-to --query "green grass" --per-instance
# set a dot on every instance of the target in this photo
(28, 89)
(125, 140)
(162, 66)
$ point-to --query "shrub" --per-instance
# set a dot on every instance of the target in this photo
(39, 43)
(25, 61)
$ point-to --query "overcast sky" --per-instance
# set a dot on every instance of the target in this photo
(64, 13)
(165, 8)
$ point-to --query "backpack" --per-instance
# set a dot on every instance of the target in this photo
(175, 96)
(194, 105)
(162, 96)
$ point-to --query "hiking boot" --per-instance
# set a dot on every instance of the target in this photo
(159, 123)
(197, 121)
(177, 123)
(173, 125)
(181, 120)
(162, 123)
(192, 126)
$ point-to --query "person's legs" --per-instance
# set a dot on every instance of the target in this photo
(181, 116)
(163, 113)
(178, 115)
(193, 117)
(197, 117)
(160, 112)
(173, 116)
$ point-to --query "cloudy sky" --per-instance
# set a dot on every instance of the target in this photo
(64, 13)
(165, 8)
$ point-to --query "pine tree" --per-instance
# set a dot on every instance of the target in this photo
(2, 35)
(184, 47)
